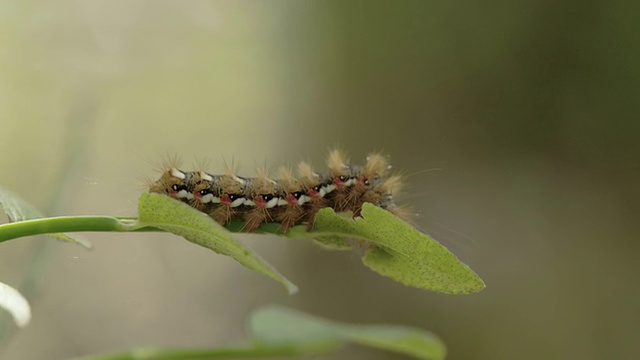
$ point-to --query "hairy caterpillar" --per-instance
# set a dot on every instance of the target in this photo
(289, 200)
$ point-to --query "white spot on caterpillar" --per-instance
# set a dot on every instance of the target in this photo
(282, 202)
(239, 201)
(350, 182)
(178, 174)
(273, 202)
(249, 202)
(327, 189)
(206, 176)
(303, 200)
(207, 199)
(184, 194)
(241, 181)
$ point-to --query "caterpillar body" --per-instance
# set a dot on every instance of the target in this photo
(290, 200)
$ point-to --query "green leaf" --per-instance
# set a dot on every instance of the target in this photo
(299, 232)
(401, 252)
(278, 332)
(333, 243)
(17, 209)
(327, 241)
(12, 301)
(397, 250)
(276, 325)
(239, 352)
(162, 212)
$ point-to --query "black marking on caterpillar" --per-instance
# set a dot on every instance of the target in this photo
(289, 200)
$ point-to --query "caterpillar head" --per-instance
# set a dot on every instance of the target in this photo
(173, 182)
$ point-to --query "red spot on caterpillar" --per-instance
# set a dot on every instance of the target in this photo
(225, 199)
(291, 199)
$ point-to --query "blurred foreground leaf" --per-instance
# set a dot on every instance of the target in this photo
(161, 212)
(276, 325)
(277, 332)
(13, 302)
(17, 209)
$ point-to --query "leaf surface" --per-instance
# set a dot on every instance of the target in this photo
(162, 212)
(277, 325)
(401, 252)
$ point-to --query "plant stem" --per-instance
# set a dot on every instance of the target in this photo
(65, 224)
(257, 350)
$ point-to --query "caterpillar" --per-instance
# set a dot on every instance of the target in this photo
(291, 199)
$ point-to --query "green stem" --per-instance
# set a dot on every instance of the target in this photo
(66, 224)
(258, 350)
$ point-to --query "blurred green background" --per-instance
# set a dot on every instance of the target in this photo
(526, 113)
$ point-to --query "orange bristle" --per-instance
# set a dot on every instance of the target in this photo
(337, 163)
(231, 184)
(261, 184)
(405, 213)
(392, 184)
(169, 161)
(254, 218)
(291, 213)
(377, 165)
(307, 177)
(197, 183)
(169, 165)
(288, 181)
(256, 189)
(168, 178)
